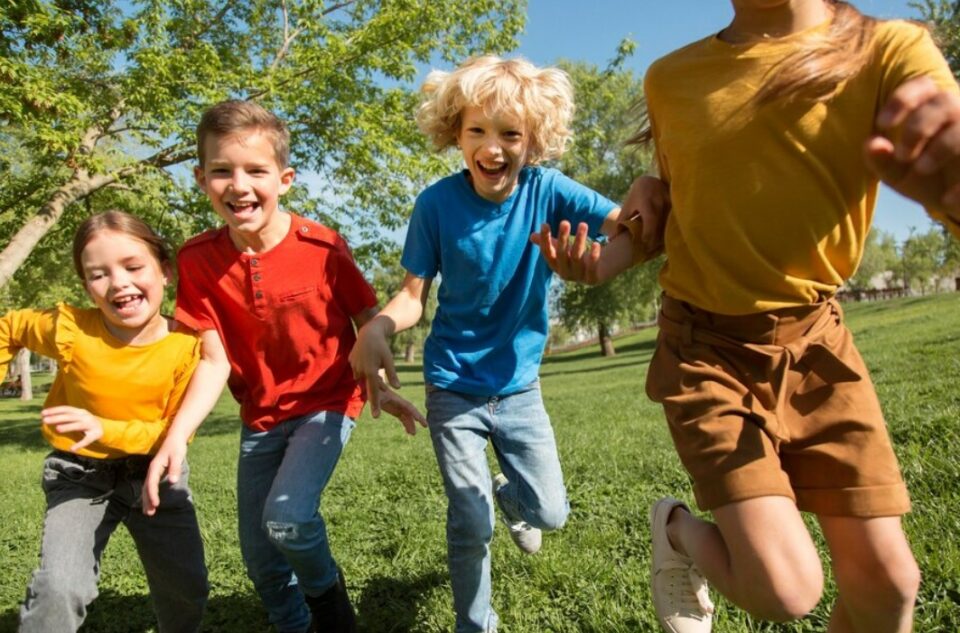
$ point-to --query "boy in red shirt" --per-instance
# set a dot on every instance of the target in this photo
(275, 298)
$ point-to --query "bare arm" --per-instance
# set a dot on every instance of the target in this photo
(372, 350)
(204, 390)
(637, 230)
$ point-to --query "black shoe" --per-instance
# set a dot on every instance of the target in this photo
(332, 611)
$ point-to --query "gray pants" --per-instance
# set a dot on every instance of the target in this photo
(86, 500)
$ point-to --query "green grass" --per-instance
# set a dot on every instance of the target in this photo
(385, 505)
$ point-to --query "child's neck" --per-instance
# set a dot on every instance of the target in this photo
(751, 24)
(262, 240)
(151, 331)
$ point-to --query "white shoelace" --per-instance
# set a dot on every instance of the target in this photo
(697, 583)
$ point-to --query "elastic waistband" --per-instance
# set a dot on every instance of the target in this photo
(130, 462)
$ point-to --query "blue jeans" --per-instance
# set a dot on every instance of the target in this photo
(523, 441)
(281, 475)
(86, 500)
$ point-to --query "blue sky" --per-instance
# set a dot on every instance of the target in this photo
(590, 31)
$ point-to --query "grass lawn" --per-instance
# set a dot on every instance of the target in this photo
(385, 506)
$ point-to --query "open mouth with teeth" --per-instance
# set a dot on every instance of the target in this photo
(128, 305)
(496, 169)
(243, 208)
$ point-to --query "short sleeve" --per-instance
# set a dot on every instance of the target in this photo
(351, 288)
(421, 249)
(193, 308)
(578, 203)
(910, 52)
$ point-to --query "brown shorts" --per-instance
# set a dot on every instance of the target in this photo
(775, 403)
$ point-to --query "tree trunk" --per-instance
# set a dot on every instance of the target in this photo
(26, 386)
(410, 353)
(606, 342)
(80, 185)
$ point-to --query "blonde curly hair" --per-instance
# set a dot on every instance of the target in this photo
(541, 97)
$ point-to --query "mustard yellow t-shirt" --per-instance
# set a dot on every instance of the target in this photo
(134, 390)
(771, 205)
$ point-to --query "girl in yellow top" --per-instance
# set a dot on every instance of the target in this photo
(123, 369)
(761, 132)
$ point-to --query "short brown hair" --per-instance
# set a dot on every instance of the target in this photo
(229, 117)
(120, 222)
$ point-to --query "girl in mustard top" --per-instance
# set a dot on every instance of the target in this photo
(761, 132)
(123, 369)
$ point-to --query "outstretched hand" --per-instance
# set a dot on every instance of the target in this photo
(369, 355)
(169, 461)
(401, 409)
(917, 148)
(72, 419)
(570, 260)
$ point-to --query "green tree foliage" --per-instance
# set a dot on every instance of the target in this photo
(101, 98)
(922, 259)
(599, 159)
(387, 278)
(879, 256)
(944, 17)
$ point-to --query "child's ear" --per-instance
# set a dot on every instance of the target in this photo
(167, 271)
(200, 177)
(286, 179)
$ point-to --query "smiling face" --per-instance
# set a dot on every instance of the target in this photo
(244, 181)
(495, 148)
(125, 281)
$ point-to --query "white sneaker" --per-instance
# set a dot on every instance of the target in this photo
(524, 535)
(680, 595)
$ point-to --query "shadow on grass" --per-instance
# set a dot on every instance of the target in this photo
(388, 605)
(24, 434)
(115, 613)
(593, 353)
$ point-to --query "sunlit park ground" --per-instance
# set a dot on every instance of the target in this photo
(385, 505)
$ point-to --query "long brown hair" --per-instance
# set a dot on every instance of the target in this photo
(120, 222)
(814, 72)
(817, 69)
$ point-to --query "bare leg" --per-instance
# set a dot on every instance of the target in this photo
(758, 554)
(877, 576)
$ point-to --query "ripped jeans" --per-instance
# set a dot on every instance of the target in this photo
(281, 475)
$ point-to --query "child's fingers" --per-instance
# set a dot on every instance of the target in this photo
(941, 151)
(591, 264)
(150, 495)
(879, 154)
(924, 124)
(373, 395)
(563, 249)
(88, 438)
(174, 468)
(61, 414)
(904, 100)
(391, 371)
(547, 245)
(69, 427)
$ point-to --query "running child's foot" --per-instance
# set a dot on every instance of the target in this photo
(524, 535)
(331, 610)
(680, 595)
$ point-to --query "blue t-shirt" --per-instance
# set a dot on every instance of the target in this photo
(490, 327)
